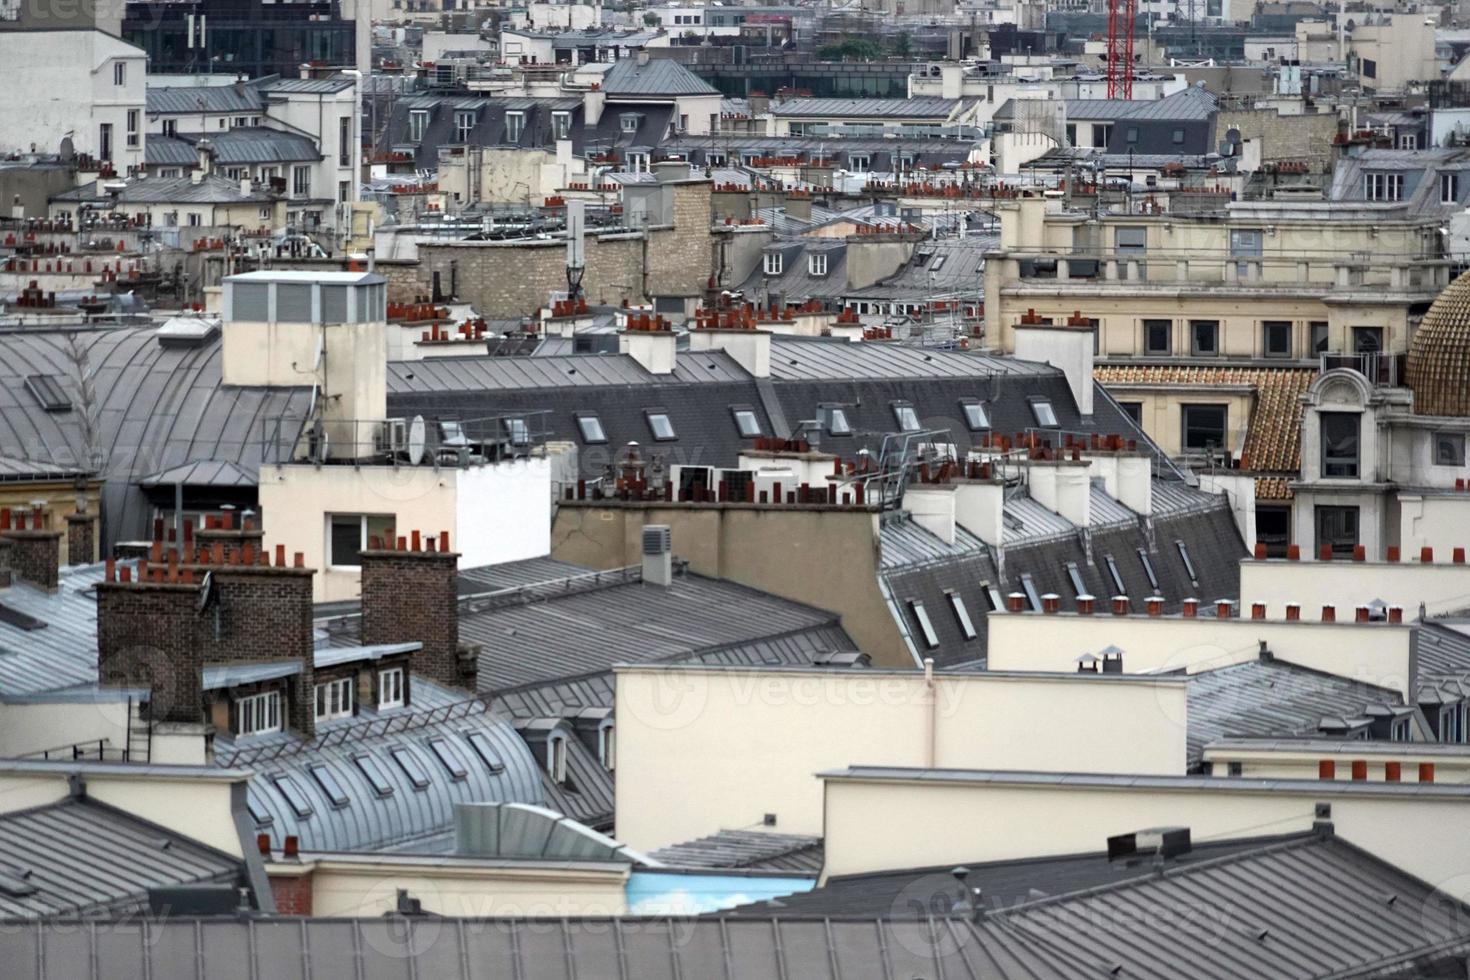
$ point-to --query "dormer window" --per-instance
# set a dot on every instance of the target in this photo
(258, 714)
(746, 422)
(835, 420)
(515, 125)
(334, 699)
(816, 264)
(561, 125)
(556, 758)
(906, 417)
(1042, 411)
(418, 121)
(606, 745)
(628, 122)
(391, 690)
(464, 123)
(977, 419)
(775, 262)
(1339, 444)
(1401, 731)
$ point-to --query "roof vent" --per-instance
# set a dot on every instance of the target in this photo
(1160, 842)
(658, 554)
(186, 331)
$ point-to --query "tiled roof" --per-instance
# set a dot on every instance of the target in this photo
(1273, 439)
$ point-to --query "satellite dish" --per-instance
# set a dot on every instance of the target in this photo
(67, 150)
(416, 440)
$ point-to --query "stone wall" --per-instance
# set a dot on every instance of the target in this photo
(1284, 138)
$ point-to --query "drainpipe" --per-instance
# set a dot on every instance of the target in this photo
(931, 735)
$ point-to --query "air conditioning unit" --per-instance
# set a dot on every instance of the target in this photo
(393, 437)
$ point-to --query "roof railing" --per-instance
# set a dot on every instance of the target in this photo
(406, 441)
(1381, 368)
(355, 732)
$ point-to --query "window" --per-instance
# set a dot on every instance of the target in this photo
(939, 260)
(1449, 188)
(195, 219)
(48, 393)
(170, 127)
(390, 688)
(628, 122)
(1134, 410)
(1074, 575)
(1318, 330)
(1273, 529)
(348, 534)
(992, 597)
(1157, 336)
(418, 121)
(906, 417)
(447, 759)
(1449, 449)
(638, 163)
(816, 264)
(327, 780)
(1188, 564)
(1337, 528)
(344, 140)
(1148, 569)
(480, 742)
(373, 773)
(746, 422)
(294, 797)
(261, 817)
(1044, 414)
(977, 419)
(660, 426)
(464, 123)
(836, 420)
(1131, 134)
(1408, 141)
(515, 125)
(860, 162)
(1102, 133)
(134, 137)
(411, 766)
(1276, 338)
(556, 758)
(591, 428)
(119, 73)
(561, 125)
(1029, 587)
(344, 191)
(300, 181)
(1113, 573)
(1452, 723)
(1367, 340)
(1203, 426)
(1204, 337)
(1383, 187)
(926, 628)
(1339, 444)
(1401, 730)
(104, 142)
(606, 746)
(334, 699)
(258, 713)
(774, 263)
(1234, 768)
(1178, 137)
(961, 615)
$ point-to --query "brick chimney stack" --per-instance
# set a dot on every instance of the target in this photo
(81, 538)
(35, 553)
(410, 594)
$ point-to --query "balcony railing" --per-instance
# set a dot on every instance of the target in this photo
(408, 441)
(1379, 367)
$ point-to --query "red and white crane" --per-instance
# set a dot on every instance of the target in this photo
(1121, 15)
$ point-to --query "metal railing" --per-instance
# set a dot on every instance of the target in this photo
(355, 732)
(99, 749)
(416, 441)
(1379, 367)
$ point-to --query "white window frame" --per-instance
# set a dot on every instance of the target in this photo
(515, 125)
(1449, 188)
(1046, 416)
(464, 123)
(333, 699)
(134, 129)
(362, 523)
(561, 125)
(906, 417)
(1383, 186)
(170, 127)
(259, 714)
(556, 758)
(418, 121)
(816, 264)
(119, 73)
(773, 263)
(391, 690)
(607, 746)
(628, 122)
(859, 162)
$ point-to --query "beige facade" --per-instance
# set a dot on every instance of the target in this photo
(1377, 653)
(773, 729)
(1441, 586)
(1304, 758)
(495, 175)
(824, 556)
(878, 823)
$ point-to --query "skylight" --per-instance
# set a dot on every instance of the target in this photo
(1075, 574)
(1118, 587)
(591, 428)
(293, 795)
(837, 423)
(411, 767)
(747, 422)
(480, 742)
(447, 759)
(1188, 564)
(1148, 568)
(660, 426)
(976, 417)
(1029, 587)
(374, 774)
(1045, 415)
(926, 628)
(327, 780)
(48, 392)
(907, 418)
(962, 615)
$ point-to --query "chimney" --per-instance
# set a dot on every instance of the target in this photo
(1062, 486)
(979, 508)
(658, 555)
(245, 187)
(751, 349)
(593, 101)
(204, 151)
(932, 506)
(1063, 346)
(410, 594)
(652, 346)
(642, 57)
(81, 538)
(35, 553)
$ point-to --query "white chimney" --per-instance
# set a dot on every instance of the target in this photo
(245, 187)
(654, 349)
(979, 509)
(658, 555)
(751, 349)
(1064, 346)
(932, 506)
(1135, 482)
(1062, 486)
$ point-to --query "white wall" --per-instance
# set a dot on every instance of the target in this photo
(503, 512)
(1371, 653)
(1442, 586)
(354, 886)
(700, 749)
(29, 727)
(60, 82)
(872, 825)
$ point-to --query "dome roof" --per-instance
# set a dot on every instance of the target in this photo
(1438, 367)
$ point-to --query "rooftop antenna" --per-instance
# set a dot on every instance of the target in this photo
(576, 255)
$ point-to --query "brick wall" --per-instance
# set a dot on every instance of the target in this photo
(1291, 138)
(404, 285)
(292, 894)
(147, 636)
(410, 596)
(81, 539)
(35, 556)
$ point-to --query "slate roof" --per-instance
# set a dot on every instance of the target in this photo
(85, 858)
(947, 266)
(233, 147)
(155, 408)
(211, 99)
(213, 189)
(63, 653)
(660, 77)
(1265, 698)
(1274, 430)
(747, 850)
(1191, 103)
(828, 108)
(1308, 906)
(1443, 649)
(409, 812)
